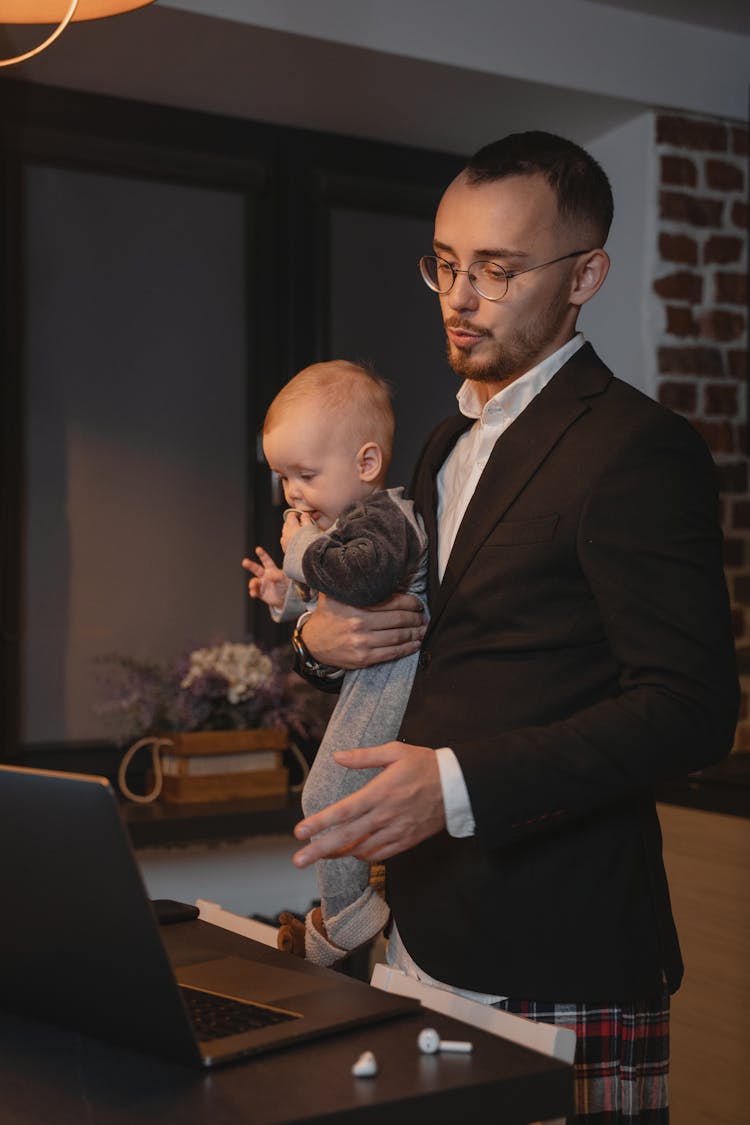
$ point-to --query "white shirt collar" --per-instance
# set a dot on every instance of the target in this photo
(514, 398)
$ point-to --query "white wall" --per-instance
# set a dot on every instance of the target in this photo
(254, 876)
(616, 319)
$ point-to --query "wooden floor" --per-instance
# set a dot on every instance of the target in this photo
(707, 856)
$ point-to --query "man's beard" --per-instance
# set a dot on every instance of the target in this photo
(518, 354)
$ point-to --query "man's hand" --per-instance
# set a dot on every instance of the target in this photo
(396, 810)
(346, 637)
(268, 583)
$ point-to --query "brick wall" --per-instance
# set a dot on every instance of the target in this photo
(700, 289)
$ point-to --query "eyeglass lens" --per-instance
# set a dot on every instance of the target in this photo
(488, 279)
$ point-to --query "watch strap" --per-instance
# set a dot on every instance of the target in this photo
(305, 662)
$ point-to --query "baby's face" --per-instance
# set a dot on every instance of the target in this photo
(317, 466)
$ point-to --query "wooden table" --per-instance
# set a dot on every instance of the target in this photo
(51, 1075)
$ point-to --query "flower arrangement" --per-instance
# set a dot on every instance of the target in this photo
(220, 687)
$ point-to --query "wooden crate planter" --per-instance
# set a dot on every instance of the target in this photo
(219, 765)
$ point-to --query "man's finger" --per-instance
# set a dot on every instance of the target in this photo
(404, 642)
(369, 757)
(391, 627)
(363, 838)
(340, 841)
(400, 603)
(383, 640)
(341, 815)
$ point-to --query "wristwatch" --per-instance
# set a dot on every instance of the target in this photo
(306, 664)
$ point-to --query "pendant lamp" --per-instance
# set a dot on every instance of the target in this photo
(60, 13)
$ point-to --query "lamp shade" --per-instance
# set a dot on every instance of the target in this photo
(53, 11)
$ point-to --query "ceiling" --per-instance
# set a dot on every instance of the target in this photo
(727, 15)
(185, 58)
(252, 72)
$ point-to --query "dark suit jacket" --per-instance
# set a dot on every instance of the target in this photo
(579, 652)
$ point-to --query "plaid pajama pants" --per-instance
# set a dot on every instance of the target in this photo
(622, 1058)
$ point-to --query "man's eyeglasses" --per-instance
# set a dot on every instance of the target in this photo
(488, 279)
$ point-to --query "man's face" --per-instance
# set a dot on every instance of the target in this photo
(515, 223)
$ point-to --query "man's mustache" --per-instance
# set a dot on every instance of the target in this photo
(466, 325)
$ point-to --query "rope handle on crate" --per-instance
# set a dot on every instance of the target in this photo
(156, 745)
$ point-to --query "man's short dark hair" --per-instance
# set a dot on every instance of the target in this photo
(584, 195)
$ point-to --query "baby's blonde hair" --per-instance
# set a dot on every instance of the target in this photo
(357, 400)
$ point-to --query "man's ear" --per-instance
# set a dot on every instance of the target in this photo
(589, 276)
(370, 462)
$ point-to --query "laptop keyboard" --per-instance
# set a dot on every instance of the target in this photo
(215, 1017)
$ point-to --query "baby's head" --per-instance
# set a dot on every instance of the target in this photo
(329, 436)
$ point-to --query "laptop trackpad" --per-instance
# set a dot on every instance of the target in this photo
(249, 980)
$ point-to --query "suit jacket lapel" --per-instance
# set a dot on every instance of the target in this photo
(517, 455)
(425, 495)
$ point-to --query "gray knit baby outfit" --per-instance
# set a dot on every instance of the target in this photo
(376, 548)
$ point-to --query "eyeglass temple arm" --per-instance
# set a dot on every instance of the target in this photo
(563, 258)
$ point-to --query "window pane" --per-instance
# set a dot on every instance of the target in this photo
(386, 313)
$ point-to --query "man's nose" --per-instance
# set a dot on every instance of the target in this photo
(461, 294)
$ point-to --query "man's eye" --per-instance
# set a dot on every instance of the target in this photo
(490, 271)
(444, 269)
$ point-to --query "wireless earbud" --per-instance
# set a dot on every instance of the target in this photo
(366, 1066)
(429, 1043)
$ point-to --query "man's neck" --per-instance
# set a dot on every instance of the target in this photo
(515, 394)
(486, 389)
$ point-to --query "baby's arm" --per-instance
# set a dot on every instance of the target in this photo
(269, 583)
(363, 559)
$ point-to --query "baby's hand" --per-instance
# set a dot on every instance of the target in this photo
(293, 521)
(268, 583)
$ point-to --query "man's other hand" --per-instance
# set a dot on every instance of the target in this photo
(397, 809)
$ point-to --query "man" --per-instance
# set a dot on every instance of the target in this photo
(579, 649)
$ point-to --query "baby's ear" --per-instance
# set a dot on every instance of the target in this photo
(370, 462)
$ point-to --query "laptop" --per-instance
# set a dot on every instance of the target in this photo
(80, 945)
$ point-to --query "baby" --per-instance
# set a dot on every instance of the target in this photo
(329, 436)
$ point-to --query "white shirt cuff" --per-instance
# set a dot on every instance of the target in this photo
(459, 817)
